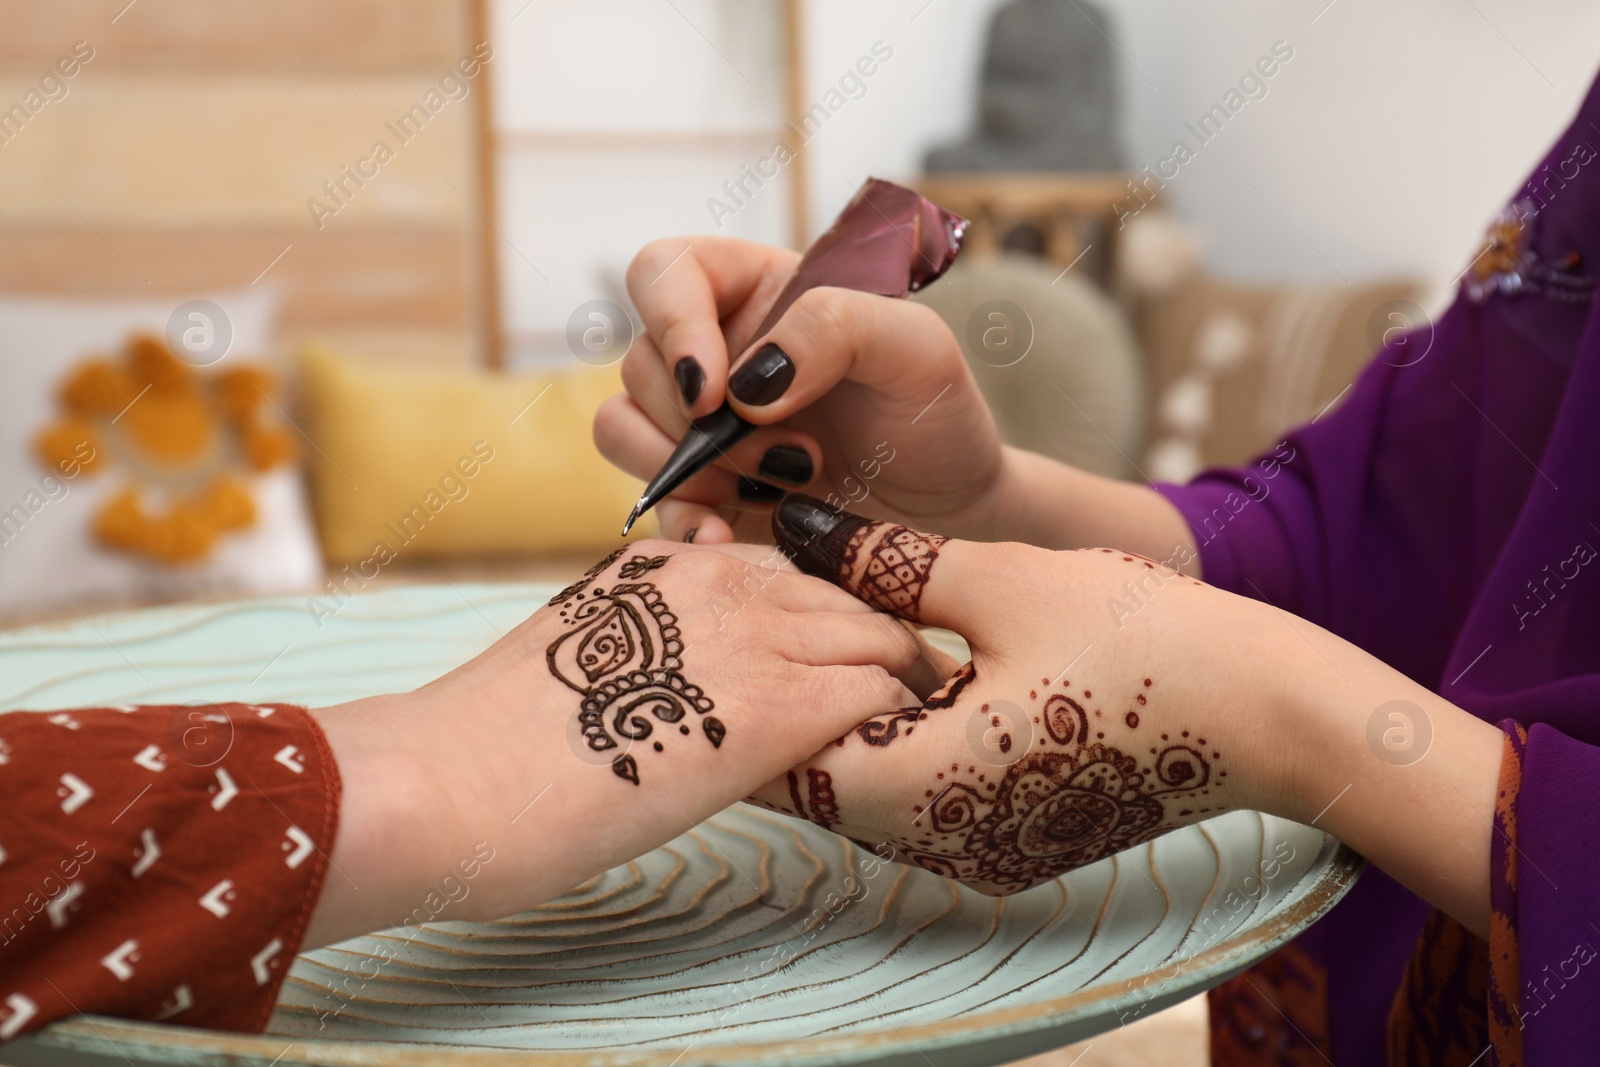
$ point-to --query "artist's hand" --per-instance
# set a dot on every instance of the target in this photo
(1109, 700)
(866, 398)
(640, 701)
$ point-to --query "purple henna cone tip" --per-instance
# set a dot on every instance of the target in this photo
(814, 535)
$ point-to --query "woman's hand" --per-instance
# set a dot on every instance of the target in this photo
(865, 397)
(667, 683)
(1095, 714)
(1111, 699)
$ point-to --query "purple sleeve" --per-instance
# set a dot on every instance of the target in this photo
(1378, 519)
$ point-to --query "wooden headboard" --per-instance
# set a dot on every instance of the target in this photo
(187, 153)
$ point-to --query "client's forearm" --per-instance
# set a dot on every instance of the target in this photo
(418, 840)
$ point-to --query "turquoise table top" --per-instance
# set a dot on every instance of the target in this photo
(700, 952)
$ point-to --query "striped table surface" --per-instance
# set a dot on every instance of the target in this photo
(750, 939)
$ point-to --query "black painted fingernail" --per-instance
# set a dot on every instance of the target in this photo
(688, 538)
(691, 378)
(814, 535)
(786, 463)
(763, 377)
(759, 492)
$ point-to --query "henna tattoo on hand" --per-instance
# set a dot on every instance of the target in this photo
(824, 806)
(946, 695)
(583, 582)
(639, 566)
(881, 730)
(623, 653)
(1074, 798)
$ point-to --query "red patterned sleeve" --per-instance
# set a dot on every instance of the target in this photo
(158, 862)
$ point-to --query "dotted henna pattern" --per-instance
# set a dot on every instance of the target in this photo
(1069, 802)
(623, 653)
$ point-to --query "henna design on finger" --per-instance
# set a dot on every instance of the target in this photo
(794, 795)
(881, 730)
(888, 567)
(623, 653)
(884, 564)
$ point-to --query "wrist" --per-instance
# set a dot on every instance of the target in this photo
(1001, 514)
(395, 822)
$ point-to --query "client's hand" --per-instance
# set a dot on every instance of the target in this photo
(632, 706)
(1098, 712)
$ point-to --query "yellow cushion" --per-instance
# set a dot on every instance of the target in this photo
(424, 461)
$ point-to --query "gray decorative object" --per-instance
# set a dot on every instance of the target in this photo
(1048, 98)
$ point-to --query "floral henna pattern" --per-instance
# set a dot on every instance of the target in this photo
(622, 651)
(638, 566)
(1069, 801)
(888, 567)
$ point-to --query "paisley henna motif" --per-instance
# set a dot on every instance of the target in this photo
(623, 652)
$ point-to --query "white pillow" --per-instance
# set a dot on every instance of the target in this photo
(50, 560)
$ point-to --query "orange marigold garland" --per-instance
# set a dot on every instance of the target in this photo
(185, 440)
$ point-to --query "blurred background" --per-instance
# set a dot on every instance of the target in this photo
(301, 297)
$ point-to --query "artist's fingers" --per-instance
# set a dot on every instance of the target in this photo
(682, 520)
(842, 696)
(900, 349)
(919, 577)
(630, 439)
(683, 287)
(779, 456)
(646, 378)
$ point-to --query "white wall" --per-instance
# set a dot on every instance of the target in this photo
(1387, 141)
(1382, 147)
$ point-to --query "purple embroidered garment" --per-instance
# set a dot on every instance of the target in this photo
(1446, 519)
